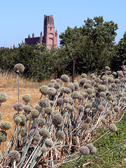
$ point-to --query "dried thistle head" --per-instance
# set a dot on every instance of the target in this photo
(5, 125)
(71, 86)
(84, 150)
(41, 122)
(92, 148)
(18, 106)
(1, 156)
(74, 95)
(83, 75)
(43, 89)
(49, 143)
(1, 116)
(23, 132)
(26, 98)
(3, 136)
(50, 85)
(65, 78)
(44, 132)
(100, 108)
(82, 82)
(33, 131)
(59, 101)
(19, 68)
(14, 155)
(85, 126)
(60, 135)
(116, 109)
(48, 110)
(80, 108)
(57, 119)
(34, 113)
(3, 97)
(43, 149)
(38, 107)
(76, 85)
(66, 90)
(70, 107)
(44, 102)
(27, 109)
(112, 128)
(56, 85)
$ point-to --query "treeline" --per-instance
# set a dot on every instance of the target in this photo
(92, 46)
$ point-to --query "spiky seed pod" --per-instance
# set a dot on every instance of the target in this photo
(108, 113)
(41, 122)
(88, 120)
(57, 119)
(103, 120)
(55, 112)
(56, 85)
(51, 91)
(34, 113)
(52, 81)
(100, 108)
(92, 148)
(82, 81)
(44, 133)
(67, 90)
(116, 109)
(102, 94)
(74, 95)
(48, 110)
(85, 126)
(84, 150)
(89, 90)
(60, 135)
(31, 132)
(26, 98)
(23, 120)
(14, 156)
(58, 80)
(71, 86)
(76, 85)
(36, 137)
(117, 80)
(27, 109)
(17, 120)
(88, 105)
(23, 132)
(60, 101)
(113, 85)
(110, 97)
(3, 136)
(1, 156)
(43, 89)
(30, 104)
(97, 80)
(1, 116)
(107, 68)
(44, 102)
(110, 79)
(50, 85)
(43, 149)
(83, 75)
(112, 128)
(5, 125)
(101, 88)
(80, 108)
(29, 117)
(70, 108)
(3, 97)
(18, 106)
(65, 78)
(38, 107)
(80, 96)
(49, 143)
(66, 100)
(19, 68)
(87, 85)
(70, 100)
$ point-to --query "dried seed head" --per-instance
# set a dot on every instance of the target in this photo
(85, 126)
(107, 68)
(84, 150)
(29, 117)
(82, 81)
(26, 98)
(66, 90)
(87, 85)
(3, 97)
(41, 122)
(70, 100)
(92, 148)
(101, 88)
(1, 116)
(57, 119)
(108, 113)
(56, 85)
(43, 89)
(65, 78)
(50, 85)
(100, 108)
(18, 106)
(103, 120)
(116, 109)
(66, 100)
(48, 110)
(17, 120)
(83, 75)
(44, 102)
(97, 80)
(102, 94)
(33, 131)
(74, 95)
(113, 128)
(54, 113)
(36, 137)
(80, 96)
(60, 135)
(14, 156)
(76, 85)
(38, 107)
(89, 91)
(27, 109)
(51, 91)
(23, 132)
(44, 133)
(3, 136)
(60, 101)
(80, 108)
(43, 149)
(49, 143)
(19, 68)
(71, 86)
(5, 125)
(70, 108)
(110, 79)
(34, 113)
(117, 80)
(58, 80)
(88, 120)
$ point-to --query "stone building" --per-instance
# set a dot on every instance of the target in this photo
(50, 35)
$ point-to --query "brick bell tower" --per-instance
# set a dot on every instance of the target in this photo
(50, 35)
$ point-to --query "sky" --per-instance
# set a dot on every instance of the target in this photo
(19, 18)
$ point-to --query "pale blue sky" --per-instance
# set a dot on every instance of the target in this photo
(19, 18)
